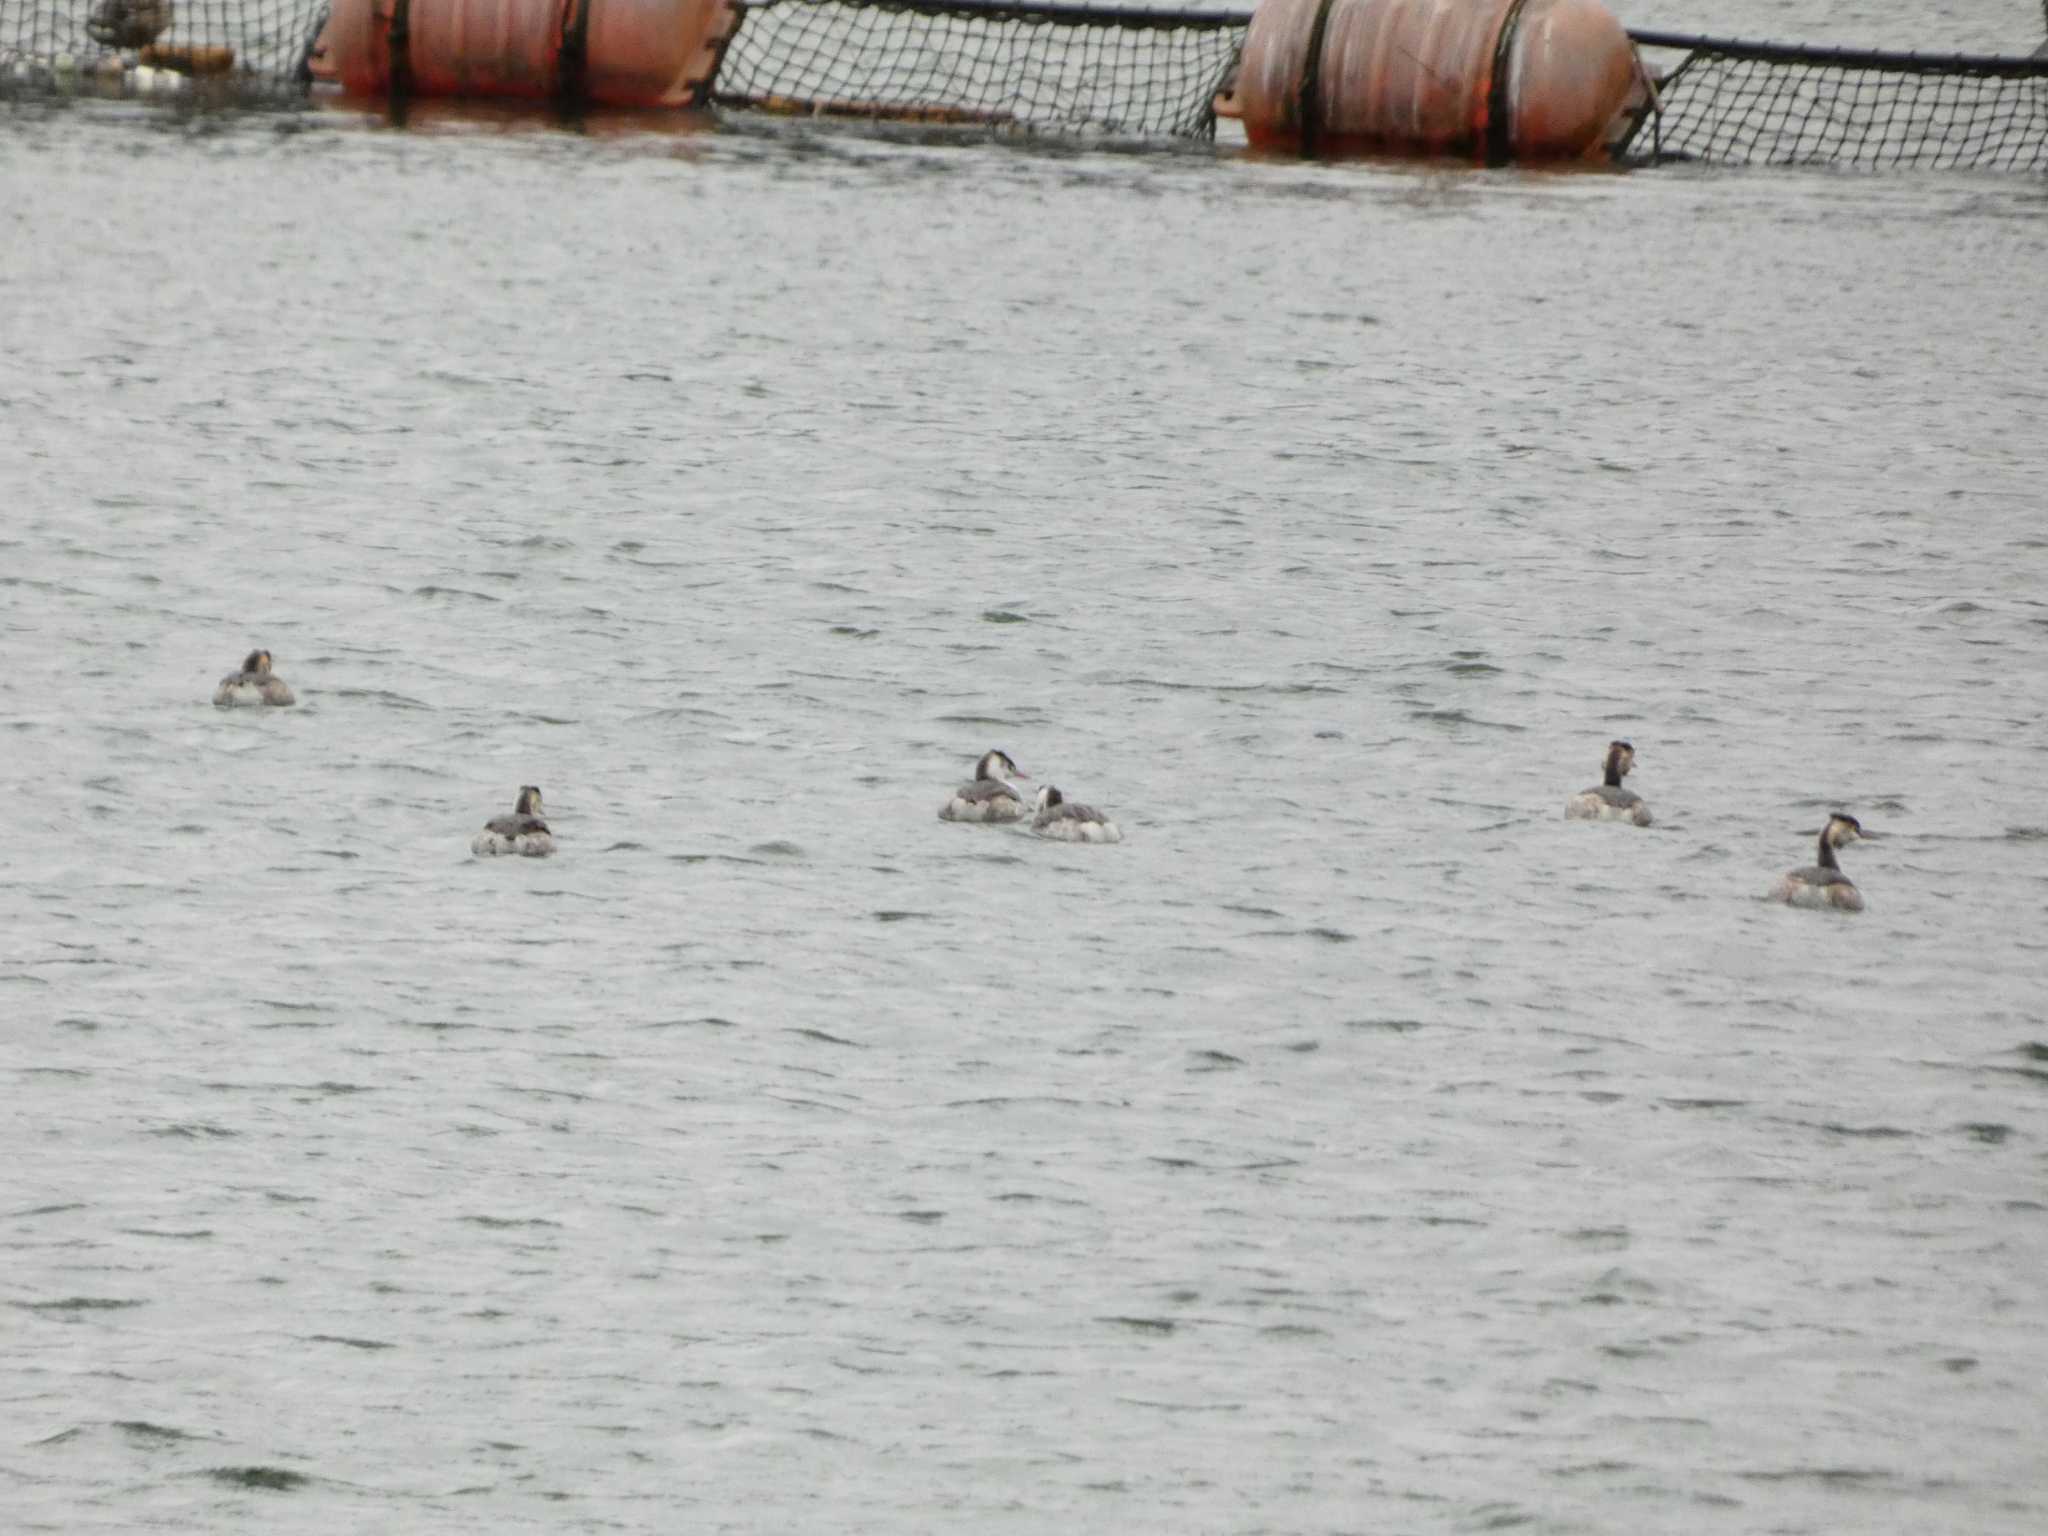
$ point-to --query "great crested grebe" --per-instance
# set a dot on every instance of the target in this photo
(523, 831)
(127, 23)
(254, 684)
(1608, 801)
(991, 797)
(1824, 884)
(1071, 823)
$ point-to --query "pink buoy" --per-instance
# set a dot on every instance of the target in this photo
(618, 53)
(1490, 80)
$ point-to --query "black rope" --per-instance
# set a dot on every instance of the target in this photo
(572, 63)
(1499, 126)
(1989, 65)
(1137, 18)
(302, 72)
(1055, 12)
(398, 39)
(1308, 104)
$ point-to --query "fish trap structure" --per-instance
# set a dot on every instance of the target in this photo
(1727, 102)
(214, 52)
(1081, 69)
(1047, 68)
(1304, 76)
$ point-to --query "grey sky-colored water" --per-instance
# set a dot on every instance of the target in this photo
(1358, 1146)
(1957, 26)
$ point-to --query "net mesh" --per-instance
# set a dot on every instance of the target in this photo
(1073, 67)
(1738, 103)
(1034, 68)
(232, 50)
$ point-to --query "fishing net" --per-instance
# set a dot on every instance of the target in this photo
(1739, 103)
(1070, 67)
(1055, 68)
(1076, 68)
(227, 50)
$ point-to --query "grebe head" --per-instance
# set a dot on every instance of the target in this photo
(1049, 797)
(1842, 829)
(256, 661)
(529, 801)
(128, 23)
(1621, 761)
(998, 765)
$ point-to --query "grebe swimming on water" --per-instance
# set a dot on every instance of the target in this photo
(254, 684)
(991, 797)
(1608, 801)
(521, 832)
(1071, 823)
(1824, 884)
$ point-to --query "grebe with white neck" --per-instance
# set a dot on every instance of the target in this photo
(1607, 800)
(524, 832)
(1824, 884)
(254, 684)
(992, 796)
(1071, 822)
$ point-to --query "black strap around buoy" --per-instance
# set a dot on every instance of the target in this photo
(1500, 128)
(398, 42)
(572, 69)
(1308, 104)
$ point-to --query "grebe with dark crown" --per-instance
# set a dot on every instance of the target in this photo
(128, 23)
(254, 684)
(1608, 801)
(1824, 884)
(991, 797)
(1070, 822)
(523, 832)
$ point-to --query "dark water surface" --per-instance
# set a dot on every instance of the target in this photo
(1357, 1147)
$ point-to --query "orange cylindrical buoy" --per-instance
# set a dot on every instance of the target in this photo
(619, 53)
(1491, 80)
(189, 58)
(1574, 71)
